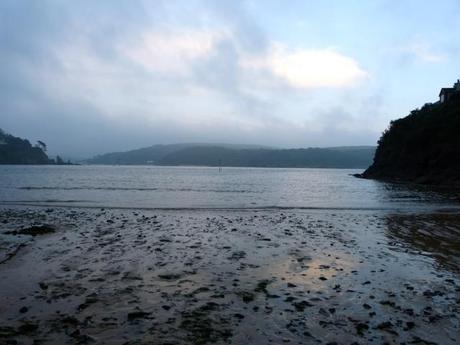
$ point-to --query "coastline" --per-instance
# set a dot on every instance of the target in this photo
(220, 276)
(420, 181)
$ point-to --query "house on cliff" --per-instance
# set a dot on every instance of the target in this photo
(447, 92)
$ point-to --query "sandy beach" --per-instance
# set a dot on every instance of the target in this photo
(228, 277)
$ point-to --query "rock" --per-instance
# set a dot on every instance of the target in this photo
(6, 332)
(262, 286)
(429, 293)
(34, 230)
(389, 303)
(131, 276)
(69, 320)
(246, 296)
(237, 255)
(89, 300)
(138, 314)
(82, 338)
(264, 239)
(361, 328)
(387, 326)
(323, 312)
(409, 325)
(239, 316)
(170, 276)
(300, 306)
(27, 327)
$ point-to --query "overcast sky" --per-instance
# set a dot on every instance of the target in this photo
(89, 77)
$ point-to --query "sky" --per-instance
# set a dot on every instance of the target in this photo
(89, 77)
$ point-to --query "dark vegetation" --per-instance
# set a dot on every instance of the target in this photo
(147, 155)
(423, 147)
(300, 158)
(240, 156)
(14, 150)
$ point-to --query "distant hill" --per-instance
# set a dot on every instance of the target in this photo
(14, 150)
(242, 156)
(423, 147)
(153, 154)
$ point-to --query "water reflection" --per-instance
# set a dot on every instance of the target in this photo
(407, 193)
(434, 235)
(189, 187)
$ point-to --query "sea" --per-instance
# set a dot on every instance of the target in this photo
(157, 187)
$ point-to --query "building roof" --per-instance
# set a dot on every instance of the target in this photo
(445, 90)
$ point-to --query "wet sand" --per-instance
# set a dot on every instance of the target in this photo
(228, 277)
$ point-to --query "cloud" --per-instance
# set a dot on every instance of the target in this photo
(171, 51)
(310, 68)
(75, 77)
(422, 50)
(178, 51)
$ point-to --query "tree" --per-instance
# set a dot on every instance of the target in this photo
(41, 145)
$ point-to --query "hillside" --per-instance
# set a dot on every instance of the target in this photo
(153, 154)
(14, 150)
(423, 147)
(147, 155)
(242, 156)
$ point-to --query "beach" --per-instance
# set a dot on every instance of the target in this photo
(236, 276)
(229, 172)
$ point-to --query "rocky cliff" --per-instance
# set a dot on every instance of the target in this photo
(423, 147)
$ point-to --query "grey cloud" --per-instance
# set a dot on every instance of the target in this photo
(245, 27)
(32, 32)
(222, 72)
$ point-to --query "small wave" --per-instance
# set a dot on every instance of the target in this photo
(26, 202)
(86, 188)
(143, 189)
(90, 205)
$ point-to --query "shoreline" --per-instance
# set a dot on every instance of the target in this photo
(408, 181)
(438, 209)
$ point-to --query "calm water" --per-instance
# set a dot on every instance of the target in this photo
(201, 187)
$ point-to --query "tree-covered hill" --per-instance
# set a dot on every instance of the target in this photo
(242, 156)
(423, 147)
(286, 158)
(153, 154)
(14, 150)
